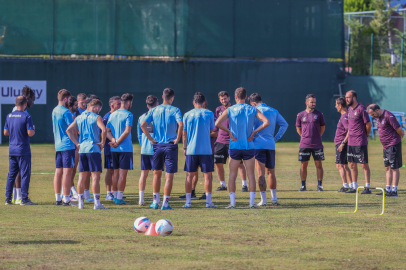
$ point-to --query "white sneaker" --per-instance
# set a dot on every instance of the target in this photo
(262, 204)
(187, 205)
(253, 206)
(99, 207)
(231, 206)
(275, 203)
(141, 204)
(210, 205)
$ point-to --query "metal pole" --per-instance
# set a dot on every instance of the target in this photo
(349, 52)
(372, 53)
(401, 58)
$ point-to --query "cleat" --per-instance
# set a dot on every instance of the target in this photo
(366, 191)
(210, 205)
(203, 197)
(18, 201)
(319, 188)
(141, 204)
(187, 205)
(244, 189)
(28, 202)
(221, 188)
(231, 206)
(90, 200)
(154, 206)
(275, 203)
(351, 190)
(121, 202)
(101, 206)
(183, 197)
(70, 203)
(13, 201)
(253, 206)
(166, 208)
(394, 194)
(109, 197)
(74, 198)
(262, 204)
(8, 202)
(387, 193)
(343, 189)
(302, 188)
(81, 206)
(58, 203)
(193, 196)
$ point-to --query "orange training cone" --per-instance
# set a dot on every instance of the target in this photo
(151, 230)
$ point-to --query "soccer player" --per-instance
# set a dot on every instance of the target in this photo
(198, 125)
(340, 142)
(165, 119)
(390, 135)
(264, 142)
(241, 120)
(20, 128)
(81, 102)
(65, 149)
(119, 133)
(90, 146)
(222, 145)
(147, 151)
(73, 108)
(115, 104)
(310, 126)
(30, 96)
(359, 127)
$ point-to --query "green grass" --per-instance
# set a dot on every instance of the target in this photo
(305, 232)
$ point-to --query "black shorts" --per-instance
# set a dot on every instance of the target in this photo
(108, 162)
(266, 157)
(341, 157)
(220, 152)
(304, 154)
(358, 154)
(393, 156)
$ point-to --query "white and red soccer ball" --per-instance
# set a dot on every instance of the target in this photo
(163, 227)
(141, 224)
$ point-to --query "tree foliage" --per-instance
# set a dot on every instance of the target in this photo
(357, 5)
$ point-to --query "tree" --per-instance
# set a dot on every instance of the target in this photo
(357, 5)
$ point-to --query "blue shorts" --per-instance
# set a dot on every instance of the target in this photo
(108, 161)
(241, 154)
(206, 163)
(65, 159)
(165, 154)
(266, 157)
(90, 162)
(122, 160)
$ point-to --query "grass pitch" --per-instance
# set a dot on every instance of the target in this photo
(305, 232)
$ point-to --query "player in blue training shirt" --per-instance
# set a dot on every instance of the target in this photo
(65, 149)
(115, 104)
(20, 128)
(30, 96)
(198, 125)
(264, 142)
(81, 102)
(241, 120)
(165, 120)
(147, 151)
(90, 146)
(119, 133)
(73, 108)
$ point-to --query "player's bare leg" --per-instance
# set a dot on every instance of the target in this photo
(303, 174)
(96, 190)
(243, 175)
(108, 181)
(87, 188)
(114, 183)
(141, 186)
(67, 183)
(260, 168)
(221, 175)
(122, 182)
(58, 185)
(252, 184)
(320, 172)
(81, 188)
(156, 186)
(168, 188)
(208, 187)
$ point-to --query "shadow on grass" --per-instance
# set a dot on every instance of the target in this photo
(45, 242)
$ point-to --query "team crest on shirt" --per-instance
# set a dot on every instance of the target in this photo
(315, 117)
(355, 113)
(304, 119)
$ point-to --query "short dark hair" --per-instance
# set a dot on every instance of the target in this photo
(28, 93)
(168, 93)
(373, 107)
(223, 93)
(151, 100)
(255, 97)
(241, 93)
(95, 102)
(353, 93)
(63, 93)
(112, 99)
(81, 96)
(310, 96)
(341, 101)
(127, 97)
(90, 98)
(71, 101)
(199, 98)
(21, 100)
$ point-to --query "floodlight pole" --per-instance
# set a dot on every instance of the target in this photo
(372, 54)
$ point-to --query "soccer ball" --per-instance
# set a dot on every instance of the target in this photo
(163, 227)
(141, 224)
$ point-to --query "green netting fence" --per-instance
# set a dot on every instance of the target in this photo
(185, 28)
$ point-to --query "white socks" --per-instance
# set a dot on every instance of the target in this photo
(156, 198)
(395, 188)
(188, 198)
(87, 194)
(115, 194)
(232, 198)
(223, 183)
(367, 185)
(14, 193)
(80, 199)
(263, 196)
(208, 197)
(388, 188)
(244, 182)
(141, 196)
(58, 197)
(345, 185)
(273, 195)
(252, 197)
(18, 193)
(166, 200)
(355, 185)
(96, 199)
(66, 199)
(351, 185)
(74, 192)
(120, 195)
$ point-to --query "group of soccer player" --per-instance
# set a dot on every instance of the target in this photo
(244, 132)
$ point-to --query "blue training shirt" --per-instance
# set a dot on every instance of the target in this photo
(146, 145)
(165, 119)
(118, 121)
(89, 133)
(241, 119)
(61, 119)
(198, 123)
(17, 124)
(265, 138)
(106, 145)
(80, 110)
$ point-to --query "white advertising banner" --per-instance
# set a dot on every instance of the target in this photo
(9, 90)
